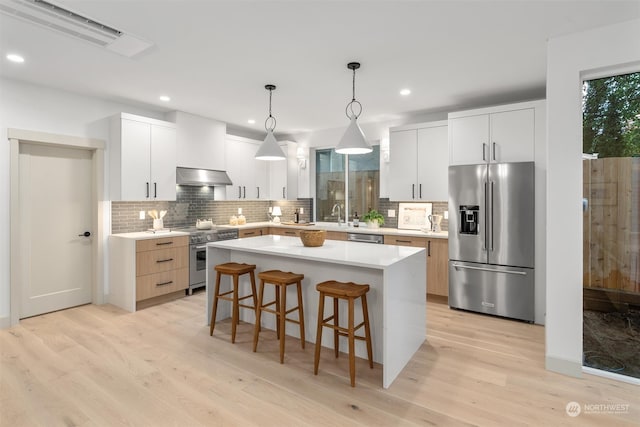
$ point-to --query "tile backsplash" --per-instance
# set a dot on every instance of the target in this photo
(194, 203)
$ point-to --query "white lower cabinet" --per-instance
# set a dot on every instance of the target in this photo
(417, 165)
(147, 271)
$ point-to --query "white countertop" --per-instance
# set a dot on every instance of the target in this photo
(143, 235)
(344, 229)
(333, 251)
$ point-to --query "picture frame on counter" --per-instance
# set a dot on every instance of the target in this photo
(414, 216)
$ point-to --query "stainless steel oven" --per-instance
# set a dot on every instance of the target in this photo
(198, 240)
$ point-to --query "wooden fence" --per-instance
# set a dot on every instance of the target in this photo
(611, 251)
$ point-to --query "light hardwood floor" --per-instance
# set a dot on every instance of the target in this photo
(97, 365)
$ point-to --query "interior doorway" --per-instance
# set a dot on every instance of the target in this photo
(56, 222)
(611, 220)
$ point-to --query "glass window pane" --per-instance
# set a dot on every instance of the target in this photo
(330, 185)
(364, 179)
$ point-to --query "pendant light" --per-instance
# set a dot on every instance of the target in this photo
(353, 140)
(269, 149)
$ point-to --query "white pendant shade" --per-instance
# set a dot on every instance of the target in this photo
(269, 149)
(353, 140)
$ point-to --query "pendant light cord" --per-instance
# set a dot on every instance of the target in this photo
(270, 120)
(349, 111)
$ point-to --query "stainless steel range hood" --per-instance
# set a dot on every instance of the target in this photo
(200, 177)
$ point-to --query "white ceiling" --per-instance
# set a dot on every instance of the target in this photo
(214, 57)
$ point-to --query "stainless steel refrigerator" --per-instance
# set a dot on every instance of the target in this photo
(491, 239)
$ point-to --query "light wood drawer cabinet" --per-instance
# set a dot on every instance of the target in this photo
(279, 231)
(153, 285)
(147, 271)
(437, 262)
(162, 266)
(336, 235)
(253, 232)
(418, 242)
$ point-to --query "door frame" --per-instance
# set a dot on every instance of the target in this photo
(96, 147)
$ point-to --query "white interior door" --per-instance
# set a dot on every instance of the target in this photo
(56, 210)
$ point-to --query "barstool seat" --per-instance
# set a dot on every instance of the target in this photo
(235, 270)
(281, 280)
(348, 291)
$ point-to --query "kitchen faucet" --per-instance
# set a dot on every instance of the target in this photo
(333, 212)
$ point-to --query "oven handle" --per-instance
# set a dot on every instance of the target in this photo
(198, 247)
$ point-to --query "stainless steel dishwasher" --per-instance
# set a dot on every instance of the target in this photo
(365, 238)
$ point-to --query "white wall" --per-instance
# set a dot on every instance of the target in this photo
(38, 108)
(604, 51)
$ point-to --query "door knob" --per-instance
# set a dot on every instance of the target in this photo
(85, 234)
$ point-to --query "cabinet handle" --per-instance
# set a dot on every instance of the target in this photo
(250, 234)
(428, 247)
(283, 196)
(239, 192)
(420, 191)
(164, 283)
(290, 232)
(493, 154)
(403, 241)
(484, 157)
(155, 190)
(147, 190)
(164, 260)
(164, 243)
(413, 191)
(258, 188)
(244, 192)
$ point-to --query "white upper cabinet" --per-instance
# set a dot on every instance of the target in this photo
(143, 159)
(200, 141)
(495, 135)
(283, 174)
(417, 162)
(249, 176)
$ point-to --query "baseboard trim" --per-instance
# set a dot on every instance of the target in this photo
(5, 322)
(563, 366)
(610, 375)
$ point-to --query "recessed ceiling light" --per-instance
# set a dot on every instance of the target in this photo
(405, 92)
(165, 98)
(15, 58)
(251, 122)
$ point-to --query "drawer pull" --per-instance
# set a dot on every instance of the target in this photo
(250, 234)
(403, 241)
(164, 260)
(164, 283)
(290, 232)
(164, 243)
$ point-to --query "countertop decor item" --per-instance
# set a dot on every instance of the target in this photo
(204, 224)
(373, 218)
(353, 140)
(276, 213)
(414, 216)
(312, 238)
(269, 149)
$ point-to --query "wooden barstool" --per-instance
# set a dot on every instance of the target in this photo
(347, 291)
(281, 280)
(236, 270)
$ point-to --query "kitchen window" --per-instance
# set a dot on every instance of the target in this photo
(359, 174)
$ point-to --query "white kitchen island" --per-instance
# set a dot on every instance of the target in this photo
(396, 275)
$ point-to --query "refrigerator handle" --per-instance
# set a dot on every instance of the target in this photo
(486, 214)
(492, 182)
(468, 267)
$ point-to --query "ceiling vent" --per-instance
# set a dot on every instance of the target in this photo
(63, 20)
